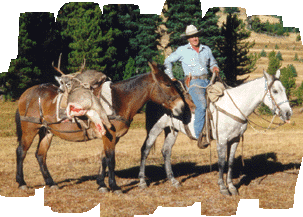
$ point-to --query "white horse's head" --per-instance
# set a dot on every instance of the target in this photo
(276, 98)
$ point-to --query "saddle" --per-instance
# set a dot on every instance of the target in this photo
(213, 94)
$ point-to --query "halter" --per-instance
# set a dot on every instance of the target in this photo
(168, 98)
(268, 93)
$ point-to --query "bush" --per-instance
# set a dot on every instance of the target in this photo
(298, 38)
(288, 79)
(264, 109)
(263, 53)
(296, 57)
(279, 56)
(299, 94)
(293, 70)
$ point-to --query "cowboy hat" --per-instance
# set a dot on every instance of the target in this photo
(190, 31)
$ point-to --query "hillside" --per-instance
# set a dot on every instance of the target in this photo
(287, 45)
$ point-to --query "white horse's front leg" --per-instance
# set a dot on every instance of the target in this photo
(146, 147)
(170, 139)
(232, 189)
(221, 149)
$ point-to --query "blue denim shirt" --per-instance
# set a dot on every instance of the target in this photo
(192, 62)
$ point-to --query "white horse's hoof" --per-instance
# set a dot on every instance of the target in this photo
(175, 183)
(54, 187)
(103, 190)
(23, 187)
(224, 191)
(142, 185)
(233, 191)
(118, 192)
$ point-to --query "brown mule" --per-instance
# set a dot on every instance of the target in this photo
(36, 114)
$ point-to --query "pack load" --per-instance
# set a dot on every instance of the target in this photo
(78, 97)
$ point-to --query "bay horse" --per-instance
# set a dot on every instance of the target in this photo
(228, 124)
(36, 114)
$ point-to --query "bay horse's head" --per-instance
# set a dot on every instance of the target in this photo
(276, 98)
(164, 91)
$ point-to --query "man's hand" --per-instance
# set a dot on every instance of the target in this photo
(216, 70)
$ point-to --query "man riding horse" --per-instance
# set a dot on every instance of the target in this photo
(196, 59)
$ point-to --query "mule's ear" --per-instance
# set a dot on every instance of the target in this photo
(153, 67)
(278, 73)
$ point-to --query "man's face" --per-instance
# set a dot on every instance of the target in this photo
(194, 41)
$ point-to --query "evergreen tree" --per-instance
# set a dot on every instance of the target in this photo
(81, 30)
(38, 44)
(130, 69)
(138, 39)
(288, 80)
(274, 63)
(147, 39)
(230, 10)
(237, 62)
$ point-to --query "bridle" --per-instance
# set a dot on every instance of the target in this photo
(168, 99)
(268, 93)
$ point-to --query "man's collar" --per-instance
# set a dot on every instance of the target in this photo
(190, 47)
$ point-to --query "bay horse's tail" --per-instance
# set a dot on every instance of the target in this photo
(18, 125)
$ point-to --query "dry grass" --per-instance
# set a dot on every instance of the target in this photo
(272, 162)
(7, 118)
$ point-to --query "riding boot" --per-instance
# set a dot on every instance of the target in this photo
(202, 140)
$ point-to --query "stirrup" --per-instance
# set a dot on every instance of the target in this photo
(202, 141)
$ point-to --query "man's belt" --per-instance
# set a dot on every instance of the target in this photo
(201, 77)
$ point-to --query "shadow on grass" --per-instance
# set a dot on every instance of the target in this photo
(255, 167)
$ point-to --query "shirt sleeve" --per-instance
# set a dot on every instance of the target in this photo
(212, 63)
(168, 63)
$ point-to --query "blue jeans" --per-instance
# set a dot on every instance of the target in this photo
(198, 97)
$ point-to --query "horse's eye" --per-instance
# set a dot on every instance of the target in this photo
(275, 91)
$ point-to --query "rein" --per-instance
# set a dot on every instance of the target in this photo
(267, 93)
(169, 99)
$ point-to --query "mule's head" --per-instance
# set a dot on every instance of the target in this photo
(276, 98)
(164, 91)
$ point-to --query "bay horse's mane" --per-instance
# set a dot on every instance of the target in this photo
(129, 84)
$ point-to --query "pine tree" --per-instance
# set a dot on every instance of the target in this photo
(138, 38)
(38, 43)
(81, 29)
(237, 61)
(130, 69)
(288, 80)
(147, 39)
(274, 63)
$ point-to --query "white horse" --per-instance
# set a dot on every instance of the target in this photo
(231, 112)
